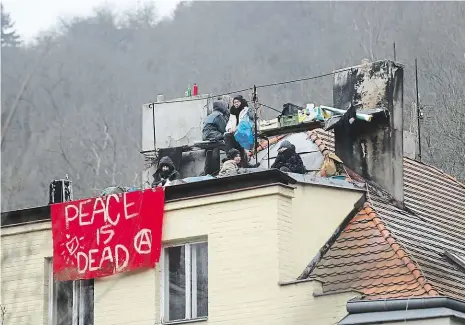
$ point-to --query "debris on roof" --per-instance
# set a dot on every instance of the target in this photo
(113, 190)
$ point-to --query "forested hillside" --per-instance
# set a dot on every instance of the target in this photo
(76, 94)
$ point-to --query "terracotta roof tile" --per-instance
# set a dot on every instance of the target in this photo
(263, 144)
(386, 252)
(365, 258)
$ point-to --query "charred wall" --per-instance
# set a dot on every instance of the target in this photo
(373, 149)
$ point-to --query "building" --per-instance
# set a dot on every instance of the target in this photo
(384, 245)
(253, 230)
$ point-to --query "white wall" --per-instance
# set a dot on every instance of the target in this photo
(177, 122)
(252, 237)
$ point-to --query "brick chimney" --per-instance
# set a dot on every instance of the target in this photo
(372, 149)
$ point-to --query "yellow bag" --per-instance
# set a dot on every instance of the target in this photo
(328, 168)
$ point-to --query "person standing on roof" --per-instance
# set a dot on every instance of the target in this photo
(213, 130)
(215, 123)
(166, 172)
(238, 112)
(288, 160)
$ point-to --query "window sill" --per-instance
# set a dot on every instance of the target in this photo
(183, 321)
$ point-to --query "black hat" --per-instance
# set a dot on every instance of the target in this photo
(239, 98)
(233, 153)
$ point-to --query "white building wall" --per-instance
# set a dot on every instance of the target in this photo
(251, 238)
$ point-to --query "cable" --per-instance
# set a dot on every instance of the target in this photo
(259, 86)
(274, 109)
(296, 80)
(201, 97)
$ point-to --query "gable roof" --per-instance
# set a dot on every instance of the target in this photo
(432, 223)
(388, 252)
(366, 258)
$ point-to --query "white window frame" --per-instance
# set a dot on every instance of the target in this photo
(78, 313)
(189, 256)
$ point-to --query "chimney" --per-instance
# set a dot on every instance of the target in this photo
(372, 149)
(60, 191)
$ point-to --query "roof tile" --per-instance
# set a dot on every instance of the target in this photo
(392, 270)
(365, 258)
(387, 252)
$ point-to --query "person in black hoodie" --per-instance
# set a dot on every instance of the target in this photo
(165, 172)
(288, 160)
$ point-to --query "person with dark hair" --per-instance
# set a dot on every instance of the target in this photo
(238, 112)
(166, 172)
(288, 160)
(231, 166)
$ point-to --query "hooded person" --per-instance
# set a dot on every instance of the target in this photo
(166, 172)
(231, 166)
(238, 112)
(288, 160)
(215, 123)
(213, 130)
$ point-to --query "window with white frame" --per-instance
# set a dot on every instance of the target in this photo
(70, 302)
(185, 282)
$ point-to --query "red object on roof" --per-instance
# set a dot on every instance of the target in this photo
(195, 90)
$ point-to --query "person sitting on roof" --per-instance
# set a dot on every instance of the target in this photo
(166, 172)
(231, 166)
(239, 111)
(288, 160)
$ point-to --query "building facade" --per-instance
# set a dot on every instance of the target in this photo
(229, 257)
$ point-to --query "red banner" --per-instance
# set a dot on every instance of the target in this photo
(102, 236)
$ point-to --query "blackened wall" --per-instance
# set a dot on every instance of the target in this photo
(373, 149)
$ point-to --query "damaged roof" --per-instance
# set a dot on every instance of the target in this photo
(387, 252)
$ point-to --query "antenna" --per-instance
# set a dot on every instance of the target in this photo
(419, 114)
(394, 48)
(254, 99)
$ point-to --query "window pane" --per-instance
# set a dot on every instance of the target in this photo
(201, 265)
(176, 283)
(86, 302)
(63, 302)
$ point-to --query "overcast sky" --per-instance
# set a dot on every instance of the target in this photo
(33, 16)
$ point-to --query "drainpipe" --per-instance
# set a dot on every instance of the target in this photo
(359, 307)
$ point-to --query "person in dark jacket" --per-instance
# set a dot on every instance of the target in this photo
(288, 160)
(215, 123)
(165, 172)
(213, 130)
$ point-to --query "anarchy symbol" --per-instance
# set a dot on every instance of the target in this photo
(143, 241)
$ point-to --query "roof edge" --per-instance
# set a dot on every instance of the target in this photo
(400, 252)
(172, 193)
(369, 306)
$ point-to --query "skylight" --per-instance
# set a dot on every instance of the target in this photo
(458, 259)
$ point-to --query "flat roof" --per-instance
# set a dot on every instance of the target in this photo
(172, 193)
(254, 178)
